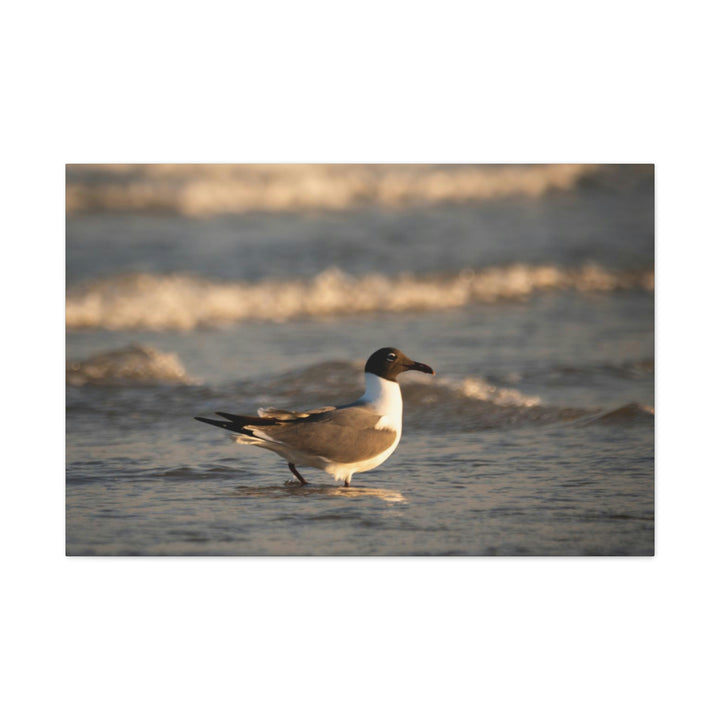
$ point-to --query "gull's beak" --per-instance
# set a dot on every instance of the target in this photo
(420, 367)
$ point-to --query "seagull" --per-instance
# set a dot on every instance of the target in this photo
(341, 440)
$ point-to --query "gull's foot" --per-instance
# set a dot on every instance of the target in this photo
(294, 483)
(300, 479)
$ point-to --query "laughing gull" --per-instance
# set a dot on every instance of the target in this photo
(340, 440)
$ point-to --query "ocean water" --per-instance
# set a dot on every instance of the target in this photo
(529, 290)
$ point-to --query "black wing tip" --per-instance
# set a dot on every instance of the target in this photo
(211, 421)
(237, 423)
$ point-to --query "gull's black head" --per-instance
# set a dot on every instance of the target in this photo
(389, 362)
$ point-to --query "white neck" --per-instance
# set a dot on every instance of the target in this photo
(385, 398)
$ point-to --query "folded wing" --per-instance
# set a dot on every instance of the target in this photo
(343, 435)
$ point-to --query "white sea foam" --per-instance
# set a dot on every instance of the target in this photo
(477, 388)
(197, 190)
(162, 302)
(136, 364)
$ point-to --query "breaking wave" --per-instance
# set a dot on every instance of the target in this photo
(132, 365)
(439, 403)
(183, 302)
(626, 413)
(202, 190)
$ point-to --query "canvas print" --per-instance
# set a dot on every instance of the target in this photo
(360, 360)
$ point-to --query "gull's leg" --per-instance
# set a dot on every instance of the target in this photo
(347, 481)
(295, 472)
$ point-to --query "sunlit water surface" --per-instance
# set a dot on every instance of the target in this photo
(535, 437)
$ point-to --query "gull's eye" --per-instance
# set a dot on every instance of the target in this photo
(391, 357)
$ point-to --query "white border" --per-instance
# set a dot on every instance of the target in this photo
(502, 638)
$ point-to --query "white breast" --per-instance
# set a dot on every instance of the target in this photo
(385, 398)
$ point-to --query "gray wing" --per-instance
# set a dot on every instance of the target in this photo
(344, 435)
(280, 414)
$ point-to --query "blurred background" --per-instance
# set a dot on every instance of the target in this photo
(529, 289)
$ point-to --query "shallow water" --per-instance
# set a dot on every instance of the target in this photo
(561, 490)
(534, 438)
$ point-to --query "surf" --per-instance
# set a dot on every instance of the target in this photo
(184, 302)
